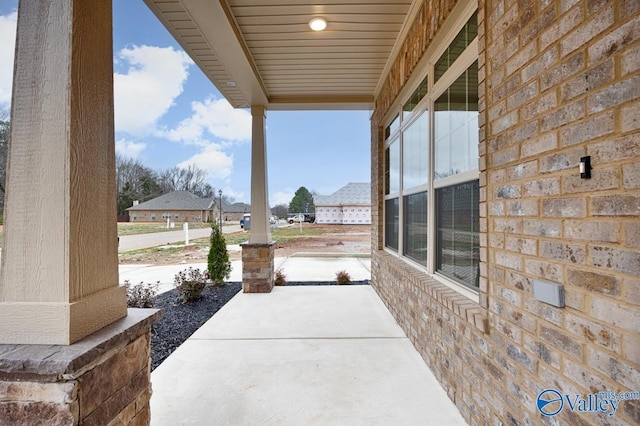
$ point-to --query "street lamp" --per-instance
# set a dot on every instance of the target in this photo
(220, 193)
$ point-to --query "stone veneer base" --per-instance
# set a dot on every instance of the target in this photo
(257, 267)
(102, 379)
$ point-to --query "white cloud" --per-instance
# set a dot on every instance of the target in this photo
(281, 197)
(213, 160)
(217, 118)
(130, 149)
(229, 192)
(7, 49)
(155, 77)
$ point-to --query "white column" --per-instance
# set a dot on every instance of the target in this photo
(260, 232)
(59, 278)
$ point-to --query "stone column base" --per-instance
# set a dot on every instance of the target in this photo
(101, 379)
(257, 267)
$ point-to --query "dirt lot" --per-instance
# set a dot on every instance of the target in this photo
(316, 239)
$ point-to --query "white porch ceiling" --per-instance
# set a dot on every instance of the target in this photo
(262, 52)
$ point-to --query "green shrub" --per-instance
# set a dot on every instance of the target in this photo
(141, 295)
(218, 264)
(343, 277)
(280, 277)
(190, 284)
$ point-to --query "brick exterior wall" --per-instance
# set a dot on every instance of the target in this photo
(558, 80)
(183, 215)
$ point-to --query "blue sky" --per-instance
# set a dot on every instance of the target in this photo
(168, 113)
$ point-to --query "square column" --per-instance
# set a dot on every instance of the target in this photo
(258, 253)
(59, 278)
(102, 379)
(260, 232)
(257, 267)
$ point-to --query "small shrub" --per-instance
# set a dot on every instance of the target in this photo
(343, 277)
(218, 264)
(190, 284)
(280, 278)
(141, 295)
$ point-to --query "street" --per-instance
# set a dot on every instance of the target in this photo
(140, 241)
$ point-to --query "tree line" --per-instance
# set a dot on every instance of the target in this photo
(137, 182)
(134, 181)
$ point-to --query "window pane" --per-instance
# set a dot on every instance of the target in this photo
(392, 128)
(456, 126)
(457, 46)
(416, 97)
(391, 220)
(415, 165)
(458, 240)
(415, 227)
(392, 168)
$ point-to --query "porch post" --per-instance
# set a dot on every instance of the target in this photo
(260, 231)
(59, 278)
(258, 253)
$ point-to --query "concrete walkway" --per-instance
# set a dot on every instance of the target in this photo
(299, 267)
(311, 355)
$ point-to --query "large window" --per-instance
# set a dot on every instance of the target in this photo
(431, 165)
(456, 126)
(458, 241)
(391, 223)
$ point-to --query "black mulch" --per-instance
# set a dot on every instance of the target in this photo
(180, 320)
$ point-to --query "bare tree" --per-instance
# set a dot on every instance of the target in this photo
(134, 182)
(4, 148)
(280, 210)
(192, 179)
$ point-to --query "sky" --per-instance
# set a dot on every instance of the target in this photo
(167, 113)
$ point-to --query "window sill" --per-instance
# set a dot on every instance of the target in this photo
(463, 301)
(465, 291)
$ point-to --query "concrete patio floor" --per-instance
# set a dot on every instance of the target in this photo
(310, 355)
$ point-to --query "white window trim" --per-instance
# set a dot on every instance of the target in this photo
(461, 14)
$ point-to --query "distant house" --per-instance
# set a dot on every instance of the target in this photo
(235, 211)
(178, 206)
(350, 204)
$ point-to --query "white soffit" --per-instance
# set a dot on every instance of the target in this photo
(262, 52)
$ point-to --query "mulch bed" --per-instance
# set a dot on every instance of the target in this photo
(180, 320)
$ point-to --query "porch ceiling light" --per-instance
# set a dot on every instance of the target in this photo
(318, 24)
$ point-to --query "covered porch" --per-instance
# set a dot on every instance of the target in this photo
(321, 355)
(64, 325)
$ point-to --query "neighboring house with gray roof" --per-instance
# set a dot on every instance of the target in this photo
(178, 206)
(350, 205)
(235, 211)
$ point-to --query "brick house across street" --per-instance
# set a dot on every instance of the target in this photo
(350, 204)
(505, 192)
(176, 206)
(183, 206)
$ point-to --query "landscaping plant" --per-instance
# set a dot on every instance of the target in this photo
(218, 263)
(141, 295)
(190, 284)
(343, 277)
(280, 277)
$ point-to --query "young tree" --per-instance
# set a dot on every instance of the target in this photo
(302, 202)
(218, 260)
